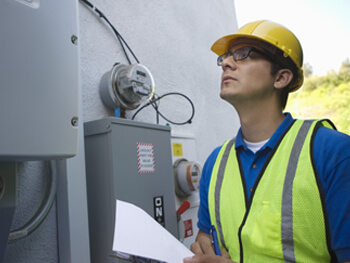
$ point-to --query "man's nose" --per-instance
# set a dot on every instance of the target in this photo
(228, 62)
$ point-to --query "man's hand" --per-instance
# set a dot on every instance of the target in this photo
(205, 252)
(203, 244)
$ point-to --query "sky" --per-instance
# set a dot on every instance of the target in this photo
(322, 27)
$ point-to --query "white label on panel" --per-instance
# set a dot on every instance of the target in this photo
(145, 158)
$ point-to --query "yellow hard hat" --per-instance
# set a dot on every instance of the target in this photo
(272, 33)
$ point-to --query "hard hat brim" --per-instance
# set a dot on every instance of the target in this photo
(222, 45)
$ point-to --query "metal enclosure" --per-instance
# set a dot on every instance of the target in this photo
(117, 153)
(38, 79)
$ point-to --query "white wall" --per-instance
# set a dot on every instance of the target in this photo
(172, 39)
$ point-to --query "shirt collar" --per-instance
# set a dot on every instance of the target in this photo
(275, 137)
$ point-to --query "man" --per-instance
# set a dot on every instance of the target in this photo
(280, 191)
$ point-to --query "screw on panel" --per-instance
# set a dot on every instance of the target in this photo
(74, 121)
(74, 39)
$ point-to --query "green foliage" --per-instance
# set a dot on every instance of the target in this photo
(307, 68)
(324, 97)
(345, 65)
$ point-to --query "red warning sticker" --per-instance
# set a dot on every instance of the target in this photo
(188, 228)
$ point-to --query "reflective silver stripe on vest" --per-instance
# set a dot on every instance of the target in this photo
(220, 178)
(287, 196)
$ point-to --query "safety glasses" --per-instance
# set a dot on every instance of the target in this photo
(240, 54)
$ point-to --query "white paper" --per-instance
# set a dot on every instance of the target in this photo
(136, 233)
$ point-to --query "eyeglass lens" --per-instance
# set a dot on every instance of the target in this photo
(239, 54)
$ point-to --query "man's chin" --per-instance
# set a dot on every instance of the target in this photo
(226, 95)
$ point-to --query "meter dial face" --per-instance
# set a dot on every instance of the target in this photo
(126, 86)
(187, 177)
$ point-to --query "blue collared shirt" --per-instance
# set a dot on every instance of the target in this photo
(253, 163)
(332, 160)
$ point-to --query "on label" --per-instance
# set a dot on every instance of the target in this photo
(158, 206)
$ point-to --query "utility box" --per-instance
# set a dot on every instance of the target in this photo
(130, 161)
(184, 149)
(39, 78)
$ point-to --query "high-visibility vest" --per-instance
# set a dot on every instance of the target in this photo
(284, 220)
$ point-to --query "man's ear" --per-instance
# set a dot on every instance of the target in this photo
(283, 78)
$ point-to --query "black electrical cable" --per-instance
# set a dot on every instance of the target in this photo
(118, 35)
(155, 103)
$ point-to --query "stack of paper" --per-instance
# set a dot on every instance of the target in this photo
(138, 234)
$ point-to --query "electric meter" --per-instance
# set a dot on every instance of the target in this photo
(126, 86)
(187, 176)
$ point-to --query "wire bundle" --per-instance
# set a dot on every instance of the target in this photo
(117, 34)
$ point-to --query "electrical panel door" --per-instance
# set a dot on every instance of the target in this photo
(38, 79)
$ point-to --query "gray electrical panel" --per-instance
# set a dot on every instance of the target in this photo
(130, 161)
(38, 79)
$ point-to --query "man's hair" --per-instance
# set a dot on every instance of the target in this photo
(282, 62)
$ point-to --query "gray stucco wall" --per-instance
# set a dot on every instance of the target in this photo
(172, 39)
